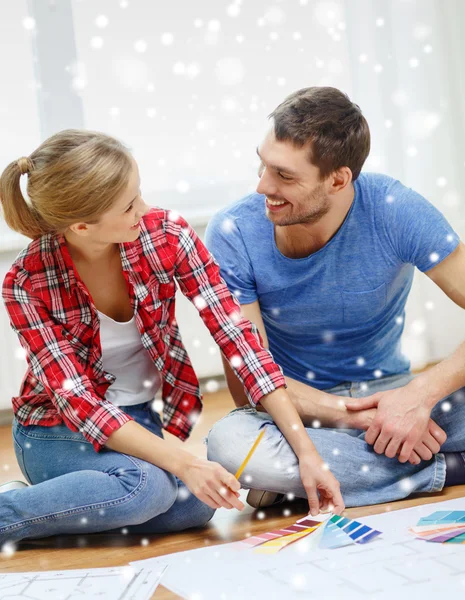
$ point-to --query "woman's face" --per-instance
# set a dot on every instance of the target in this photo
(120, 223)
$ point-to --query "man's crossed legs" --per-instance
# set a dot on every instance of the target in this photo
(365, 477)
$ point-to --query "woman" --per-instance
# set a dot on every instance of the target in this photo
(92, 301)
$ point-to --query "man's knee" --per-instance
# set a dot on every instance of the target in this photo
(221, 443)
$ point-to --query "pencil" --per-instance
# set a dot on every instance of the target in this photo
(251, 451)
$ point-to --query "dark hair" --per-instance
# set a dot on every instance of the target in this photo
(333, 126)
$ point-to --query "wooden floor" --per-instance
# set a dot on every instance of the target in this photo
(100, 550)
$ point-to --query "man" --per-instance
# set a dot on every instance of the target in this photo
(322, 259)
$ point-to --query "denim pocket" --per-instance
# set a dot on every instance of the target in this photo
(20, 458)
(365, 306)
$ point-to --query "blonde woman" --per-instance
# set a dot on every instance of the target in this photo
(91, 299)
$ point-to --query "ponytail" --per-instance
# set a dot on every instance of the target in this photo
(19, 214)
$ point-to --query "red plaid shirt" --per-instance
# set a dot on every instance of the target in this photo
(57, 323)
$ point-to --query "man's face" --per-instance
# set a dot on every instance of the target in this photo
(294, 192)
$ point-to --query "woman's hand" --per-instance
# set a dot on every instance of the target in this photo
(211, 483)
(318, 479)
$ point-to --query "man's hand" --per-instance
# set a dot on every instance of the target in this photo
(401, 426)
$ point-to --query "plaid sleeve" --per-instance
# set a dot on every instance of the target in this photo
(53, 362)
(200, 281)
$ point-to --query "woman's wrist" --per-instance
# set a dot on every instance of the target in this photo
(181, 462)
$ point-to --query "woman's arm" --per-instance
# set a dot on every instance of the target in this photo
(200, 281)
(207, 480)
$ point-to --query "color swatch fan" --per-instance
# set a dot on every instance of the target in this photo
(442, 527)
(340, 531)
(333, 532)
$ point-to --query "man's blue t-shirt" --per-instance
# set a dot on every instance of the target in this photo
(336, 315)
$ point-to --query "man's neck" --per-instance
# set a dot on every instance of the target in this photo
(303, 239)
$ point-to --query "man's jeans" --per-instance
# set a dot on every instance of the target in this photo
(365, 477)
(78, 491)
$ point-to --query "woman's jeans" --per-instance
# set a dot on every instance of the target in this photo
(76, 490)
(365, 477)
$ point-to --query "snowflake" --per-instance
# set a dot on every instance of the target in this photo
(183, 494)
(298, 581)
(151, 112)
(199, 302)
(167, 39)
(365, 468)
(228, 104)
(379, 22)
(101, 21)
(29, 23)
(261, 515)
(144, 542)
(140, 46)
(20, 353)
(400, 98)
(446, 406)
(212, 386)
(328, 13)
(336, 451)
(157, 405)
(378, 373)
(399, 320)
(421, 31)
(316, 424)
(214, 26)
(233, 10)
(287, 512)
(229, 71)
(441, 181)
(406, 484)
(328, 337)
(310, 375)
(182, 187)
(434, 257)
(96, 42)
(192, 70)
(361, 361)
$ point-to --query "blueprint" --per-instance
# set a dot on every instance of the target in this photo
(115, 583)
(394, 565)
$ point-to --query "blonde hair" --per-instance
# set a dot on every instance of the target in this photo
(74, 176)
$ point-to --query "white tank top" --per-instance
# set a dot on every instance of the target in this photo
(123, 355)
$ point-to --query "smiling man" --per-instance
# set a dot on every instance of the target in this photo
(322, 259)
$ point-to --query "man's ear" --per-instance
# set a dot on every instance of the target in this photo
(340, 179)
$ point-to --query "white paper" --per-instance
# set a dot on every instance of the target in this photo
(395, 565)
(115, 583)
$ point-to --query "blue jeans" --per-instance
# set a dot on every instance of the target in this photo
(76, 490)
(365, 477)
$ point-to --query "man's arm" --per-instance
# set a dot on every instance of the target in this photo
(448, 375)
(311, 404)
(403, 414)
